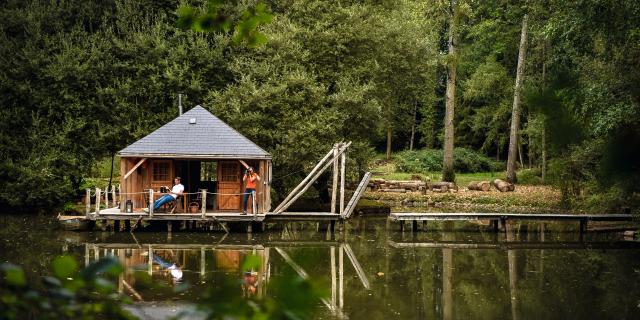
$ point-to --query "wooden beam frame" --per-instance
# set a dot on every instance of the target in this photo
(294, 195)
(357, 194)
(303, 182)
(133, 169)
(342, 169)
(334, 188)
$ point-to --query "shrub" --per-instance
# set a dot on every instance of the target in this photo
(429, 160)
(531, 176)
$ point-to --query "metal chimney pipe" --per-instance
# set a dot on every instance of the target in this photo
(180, 103)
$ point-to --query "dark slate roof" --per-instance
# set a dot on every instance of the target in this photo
(209, 137)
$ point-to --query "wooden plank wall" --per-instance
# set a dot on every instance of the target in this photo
(135, 181)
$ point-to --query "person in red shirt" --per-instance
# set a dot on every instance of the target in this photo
(250, 179)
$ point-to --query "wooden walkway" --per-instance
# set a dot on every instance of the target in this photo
(498, 220)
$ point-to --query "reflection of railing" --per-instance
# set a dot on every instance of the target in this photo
(335, 304)
(337, 292)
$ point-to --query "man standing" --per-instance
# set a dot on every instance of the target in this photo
(177, 190)
(250, 179)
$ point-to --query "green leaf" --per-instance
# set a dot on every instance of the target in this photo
(64, 267)
(13, 275)
(108, 265)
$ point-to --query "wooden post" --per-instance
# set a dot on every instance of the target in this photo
(334, 187)
(342, 169)
(204, 203)
(122, 201)
(98, 194)
(494, 225)
(341, 277)
(414, 225)
(113, 195)
(151, 201)
(333, 276)
(254, 205)
(150, 266)
(87, 204)
(86, 255)
(202, 263)
(106, 198)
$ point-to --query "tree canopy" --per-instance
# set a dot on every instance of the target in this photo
(81, 80)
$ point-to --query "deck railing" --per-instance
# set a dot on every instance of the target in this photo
(102, 197)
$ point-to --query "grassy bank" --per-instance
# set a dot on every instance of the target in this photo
(530, 195)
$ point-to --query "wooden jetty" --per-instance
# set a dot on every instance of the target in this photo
(499, 220)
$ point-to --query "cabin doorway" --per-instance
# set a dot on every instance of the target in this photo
(229, 185)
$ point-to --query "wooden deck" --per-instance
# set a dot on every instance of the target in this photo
(116, 214)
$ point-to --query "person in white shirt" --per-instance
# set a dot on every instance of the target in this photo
(177, 190)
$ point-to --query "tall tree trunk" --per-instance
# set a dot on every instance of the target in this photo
(543, 170)
(544, 153)
(529, 154)
(515, 114)
(389, 132)
(520, 151)
(447, 166)
(413, 126)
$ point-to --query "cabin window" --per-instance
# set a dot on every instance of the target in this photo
(161, 171)
(229, 172)
(209, 171)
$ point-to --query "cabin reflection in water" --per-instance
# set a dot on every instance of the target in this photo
(169, 265)
(199, 265)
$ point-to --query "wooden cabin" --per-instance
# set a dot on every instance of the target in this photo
(206, 153)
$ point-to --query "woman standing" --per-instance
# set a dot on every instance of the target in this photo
(250, 179)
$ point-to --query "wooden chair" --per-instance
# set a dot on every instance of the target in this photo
(174, 206)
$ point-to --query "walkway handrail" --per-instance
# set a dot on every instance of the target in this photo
(348, 211)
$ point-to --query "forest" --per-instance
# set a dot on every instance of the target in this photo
(551, 85)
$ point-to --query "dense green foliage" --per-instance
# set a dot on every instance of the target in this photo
(430, 160)
(68, 294)
(81, 80)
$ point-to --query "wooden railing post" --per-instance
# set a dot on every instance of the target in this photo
(113, 195)
(204, 203)
(88, 203)
(98, 194)
(151, 202)
(254, 205)
(123, 205)
(106, 197)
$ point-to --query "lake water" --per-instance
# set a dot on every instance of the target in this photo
(369, 271)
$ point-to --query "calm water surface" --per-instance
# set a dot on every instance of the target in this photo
(533, 271)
